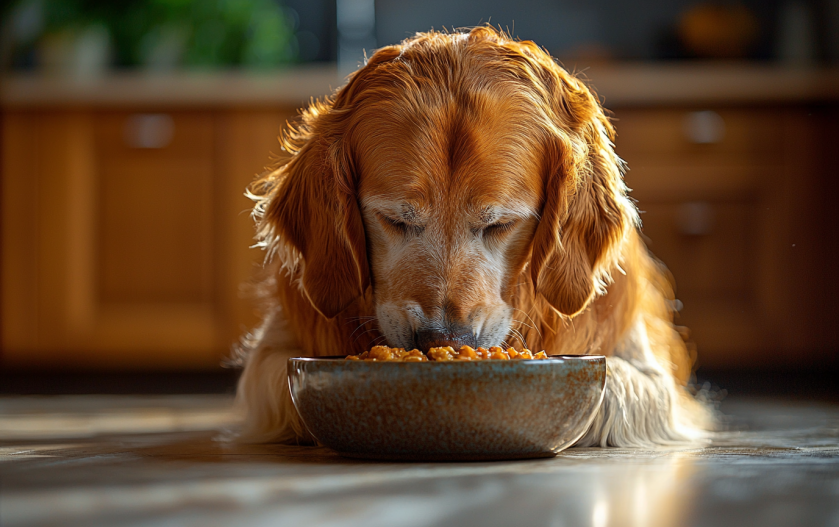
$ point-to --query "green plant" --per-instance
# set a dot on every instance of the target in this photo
(195, 33)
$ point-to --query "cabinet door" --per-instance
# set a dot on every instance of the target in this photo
(120, 213)
(126, 236)
(723, 197)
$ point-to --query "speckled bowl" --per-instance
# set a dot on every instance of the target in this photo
(482, 410)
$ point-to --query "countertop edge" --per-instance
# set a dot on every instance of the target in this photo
(624, 84)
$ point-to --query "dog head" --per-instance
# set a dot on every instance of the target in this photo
(449, 169)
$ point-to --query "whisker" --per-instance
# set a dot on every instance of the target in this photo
(360, 326)
(521, 333)
(534, 326)
(523, 323)
(525, 314)
(519, 336)
(362, 334)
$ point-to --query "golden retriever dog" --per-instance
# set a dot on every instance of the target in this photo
(462, 188)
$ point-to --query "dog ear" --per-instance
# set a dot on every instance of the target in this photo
(586, 213)
(307, 209)
(315, 211)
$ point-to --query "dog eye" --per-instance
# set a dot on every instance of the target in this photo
(400, 226)
(497, 229)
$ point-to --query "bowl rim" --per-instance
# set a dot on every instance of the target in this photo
(549, 360)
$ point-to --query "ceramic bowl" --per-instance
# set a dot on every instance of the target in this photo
(459, 410)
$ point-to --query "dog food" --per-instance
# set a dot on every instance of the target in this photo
(447, 353)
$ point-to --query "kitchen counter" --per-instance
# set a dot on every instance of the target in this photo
(136, 461)
(618, 84)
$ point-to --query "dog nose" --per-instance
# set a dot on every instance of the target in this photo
(429, 338)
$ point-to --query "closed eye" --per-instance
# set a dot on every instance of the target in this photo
(497, 230)
(399, 226)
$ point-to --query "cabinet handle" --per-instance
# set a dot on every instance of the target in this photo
(704, 128)
(695, 218)
(149, 130)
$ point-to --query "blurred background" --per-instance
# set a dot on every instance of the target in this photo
(131, 129)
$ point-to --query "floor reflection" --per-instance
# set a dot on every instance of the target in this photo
(143, 462)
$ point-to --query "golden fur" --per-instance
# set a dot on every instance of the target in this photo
(464, 183)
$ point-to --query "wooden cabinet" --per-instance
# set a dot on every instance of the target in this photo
(126, 235)
(125, 232)
(726, 196)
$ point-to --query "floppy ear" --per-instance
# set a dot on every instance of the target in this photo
(315, 211)
(586, 213)
(307, 209)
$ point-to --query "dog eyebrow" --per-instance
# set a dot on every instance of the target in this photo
(406, 212)
(491, 214)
